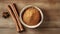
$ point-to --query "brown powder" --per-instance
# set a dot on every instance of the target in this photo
(31, 16)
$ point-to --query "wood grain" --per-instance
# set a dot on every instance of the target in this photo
(50, 9)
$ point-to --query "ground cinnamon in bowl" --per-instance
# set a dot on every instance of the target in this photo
(31, 16)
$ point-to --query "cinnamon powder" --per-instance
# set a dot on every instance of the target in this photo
(31, 16)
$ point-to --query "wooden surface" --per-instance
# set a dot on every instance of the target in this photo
(50, 9)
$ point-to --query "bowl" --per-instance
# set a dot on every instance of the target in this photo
(34, 26)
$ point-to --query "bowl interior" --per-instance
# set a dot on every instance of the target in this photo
(34, 26)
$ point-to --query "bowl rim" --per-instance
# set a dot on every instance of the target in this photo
(34, 26)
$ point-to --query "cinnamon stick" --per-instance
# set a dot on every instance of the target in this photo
(17, 17)
(13, 17)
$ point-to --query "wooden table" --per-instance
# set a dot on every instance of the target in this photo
(50, 9)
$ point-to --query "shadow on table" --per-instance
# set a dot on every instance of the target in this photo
(46, 20)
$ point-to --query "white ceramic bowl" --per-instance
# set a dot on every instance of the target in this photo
(34, 26)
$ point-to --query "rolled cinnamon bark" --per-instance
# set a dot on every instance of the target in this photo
(13, 17)
(17, 17)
